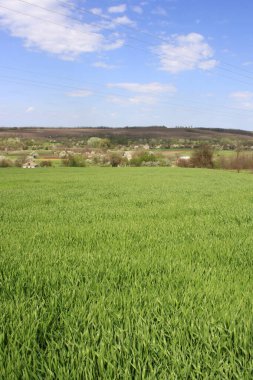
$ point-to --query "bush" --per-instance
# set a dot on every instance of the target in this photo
(116, 159)
(99, 159)
(164, 162)
(202, 157)
(19, 162)
(45, 163)
(5, 163)
(63, 154)
(97, 142)
(184, 163)
(237, 162)
(150, 163)
(76, 160)
(141, 157)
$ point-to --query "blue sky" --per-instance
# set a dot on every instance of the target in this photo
(118, 63)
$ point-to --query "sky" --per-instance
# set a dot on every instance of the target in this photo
(126, 63)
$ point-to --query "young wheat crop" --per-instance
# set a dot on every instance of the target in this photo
(126, 273)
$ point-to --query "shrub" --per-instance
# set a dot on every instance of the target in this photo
(116, 159)
(184, 163)
(63, 154)
(19, 162)
(97, 142)
(141, 157)
(76, 160)
(5, 163)
(164, 162)
(45, 163)
(237, 162)
(150, 163)
(202, 157)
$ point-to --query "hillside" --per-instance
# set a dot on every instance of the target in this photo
(128, 132)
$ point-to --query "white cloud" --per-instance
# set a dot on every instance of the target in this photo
(144, 88)
(80, 93)
(97, 11)
(186, 52)
(133, 100)
(142, 99)
(137, 9)
(242, 95)
(243, 99)
(112, 24)
(30, 109)
(159, 11)
(61, 35)
(104, 65)
(248, 63)
(123, 20)
(121, 8)
(144, 93)
(117, 99)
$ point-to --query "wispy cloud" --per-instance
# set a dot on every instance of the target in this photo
(186, 52)
(144, 93)
(132, 100)
(248, 63)
(160, 11)
(80, 93)
(97, 11)
(243, 99)
(143, 99)
(121, 8)
(30, 109)
(144, 88)
(56, 31)
(137, 9)
(104, 65)
(123, 20)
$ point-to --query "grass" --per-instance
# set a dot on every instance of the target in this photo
(126, 273)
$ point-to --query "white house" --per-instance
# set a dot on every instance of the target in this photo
(30, 165)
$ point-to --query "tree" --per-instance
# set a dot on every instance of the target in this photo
(74, 160)
(238, 150)
(116, 159)
(202, 157)
(97, 142)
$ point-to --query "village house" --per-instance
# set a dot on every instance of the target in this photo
(30, 165)
(128, 155)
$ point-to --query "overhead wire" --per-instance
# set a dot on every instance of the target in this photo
(204, 108)
(66, 26)
(99, 26)
(124, 26)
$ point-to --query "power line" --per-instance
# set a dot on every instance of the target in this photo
(99, 26)
(231, 71)
(45, 84)
(168, 104)
(66, 26)
(85, 11)
(76, 87)
(231, 78)
(42, 19)
(238, 68)
(58, 87)
(47, 74)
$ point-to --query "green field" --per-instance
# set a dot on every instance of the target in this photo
(126, 273)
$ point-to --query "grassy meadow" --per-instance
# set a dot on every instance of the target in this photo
(126, 273)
